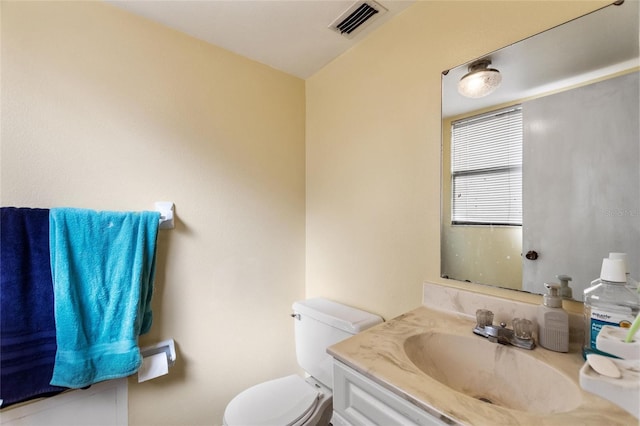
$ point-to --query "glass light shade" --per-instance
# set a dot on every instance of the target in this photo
(479, 82)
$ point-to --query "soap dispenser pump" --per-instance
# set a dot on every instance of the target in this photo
(565, 290)
(553, 321)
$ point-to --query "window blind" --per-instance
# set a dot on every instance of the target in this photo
(486, 168)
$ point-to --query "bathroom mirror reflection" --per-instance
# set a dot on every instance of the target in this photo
(569, 96)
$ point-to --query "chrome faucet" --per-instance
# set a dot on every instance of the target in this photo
(520, 336)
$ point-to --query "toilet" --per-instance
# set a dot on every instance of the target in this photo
(294, 400)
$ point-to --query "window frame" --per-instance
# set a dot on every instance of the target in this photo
(507, 164)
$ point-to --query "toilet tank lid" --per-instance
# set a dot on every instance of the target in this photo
(346, 318)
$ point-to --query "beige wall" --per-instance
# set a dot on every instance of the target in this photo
(104, 110)
(373, 147)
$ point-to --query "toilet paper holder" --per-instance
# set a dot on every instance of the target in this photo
(166, 346)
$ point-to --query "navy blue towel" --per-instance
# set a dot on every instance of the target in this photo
(27, 325)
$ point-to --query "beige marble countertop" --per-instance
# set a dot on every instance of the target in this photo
(378, 353)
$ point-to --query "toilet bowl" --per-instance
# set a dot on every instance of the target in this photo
(294, 400)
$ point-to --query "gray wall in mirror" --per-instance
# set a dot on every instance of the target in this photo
(578, 84)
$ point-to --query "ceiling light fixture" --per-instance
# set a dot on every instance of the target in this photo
(480, 80)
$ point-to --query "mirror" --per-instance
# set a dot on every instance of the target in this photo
(577, 85)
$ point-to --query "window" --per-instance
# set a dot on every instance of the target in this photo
(486, 168)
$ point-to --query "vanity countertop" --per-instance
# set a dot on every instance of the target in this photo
(378, 353)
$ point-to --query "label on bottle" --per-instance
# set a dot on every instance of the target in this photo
(601, 318)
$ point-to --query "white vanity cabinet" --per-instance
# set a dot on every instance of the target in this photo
(358, 400)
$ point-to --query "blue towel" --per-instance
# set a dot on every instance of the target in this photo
(27, 328)
(103, 266)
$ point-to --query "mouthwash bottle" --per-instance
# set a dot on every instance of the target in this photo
(608, 302)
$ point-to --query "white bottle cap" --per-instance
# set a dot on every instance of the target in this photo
(621, 256)
(613, 270)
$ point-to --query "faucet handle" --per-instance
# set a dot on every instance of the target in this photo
(522, 328)
(484, 317)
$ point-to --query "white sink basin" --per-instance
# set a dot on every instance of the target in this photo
(502, 375)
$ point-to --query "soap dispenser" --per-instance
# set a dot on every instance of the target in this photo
(565, 290)
(553, 321)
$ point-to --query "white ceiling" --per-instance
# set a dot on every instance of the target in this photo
(288, 35)
(293, 36)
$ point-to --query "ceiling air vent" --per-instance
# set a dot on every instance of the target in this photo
(357, 17)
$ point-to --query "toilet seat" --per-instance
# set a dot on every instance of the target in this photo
(286, 401)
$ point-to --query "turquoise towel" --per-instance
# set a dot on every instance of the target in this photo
(103, 265)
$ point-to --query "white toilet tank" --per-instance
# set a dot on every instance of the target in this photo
(319, 323)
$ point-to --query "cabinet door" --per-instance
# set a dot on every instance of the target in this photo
(358, 400)
(103, 404)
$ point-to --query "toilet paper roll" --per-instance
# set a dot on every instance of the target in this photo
(153, 366)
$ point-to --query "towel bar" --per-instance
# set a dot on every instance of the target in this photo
(166, 214)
